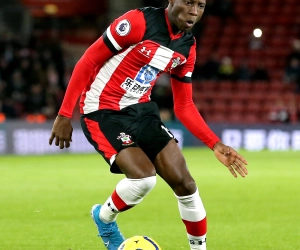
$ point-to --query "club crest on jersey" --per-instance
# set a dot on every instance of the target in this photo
(123, 28)
(125, 139)
(175, 62)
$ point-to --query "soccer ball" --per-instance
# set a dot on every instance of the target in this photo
(139, 243)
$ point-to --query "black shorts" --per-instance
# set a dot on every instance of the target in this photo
(138, 125)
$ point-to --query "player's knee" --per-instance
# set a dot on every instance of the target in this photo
(144, 174)
(139, 188)
(185, 188)
(132, 191)
(147, 184)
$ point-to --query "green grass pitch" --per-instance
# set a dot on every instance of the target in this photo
(45, 203)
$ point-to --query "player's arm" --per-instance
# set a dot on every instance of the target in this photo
(186, 111)
(184, 107)
(123, 32)
(84, 72)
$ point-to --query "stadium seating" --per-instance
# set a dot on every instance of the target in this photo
(248, 102)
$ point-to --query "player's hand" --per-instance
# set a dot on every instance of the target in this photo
(62, 132)
(231, 159)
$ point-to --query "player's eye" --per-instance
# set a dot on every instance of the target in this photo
(201, 6)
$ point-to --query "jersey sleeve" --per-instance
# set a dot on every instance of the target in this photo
(126, 30)
(184, 107)
(83, 74)
(184, 71)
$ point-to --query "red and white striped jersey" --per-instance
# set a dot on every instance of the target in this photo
(144, 47)
(121, 67)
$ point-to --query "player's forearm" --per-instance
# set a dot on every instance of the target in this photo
(193, 121)
(187, 113)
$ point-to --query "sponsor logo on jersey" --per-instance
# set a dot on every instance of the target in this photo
(141, 83)
(146, 74)
(135, 88)
(145, 52)
(125, 139)
(123, 28)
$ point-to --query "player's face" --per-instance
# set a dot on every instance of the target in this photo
(183, 14)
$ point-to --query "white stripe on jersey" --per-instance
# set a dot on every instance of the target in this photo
(91, 102)
(161, 58)
(128, 99)
(159, 61)
(112, 40)
(188, 74)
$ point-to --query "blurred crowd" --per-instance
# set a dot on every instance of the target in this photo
(32, 77)
(216, 68)
(292, 69)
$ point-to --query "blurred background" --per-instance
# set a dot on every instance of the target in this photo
(246, 80)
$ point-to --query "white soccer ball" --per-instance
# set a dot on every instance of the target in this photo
(139, 243)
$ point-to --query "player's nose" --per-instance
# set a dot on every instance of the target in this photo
(193, 10)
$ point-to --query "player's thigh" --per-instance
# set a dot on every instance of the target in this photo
(171, 166)
(134, 163)
(153, 135)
